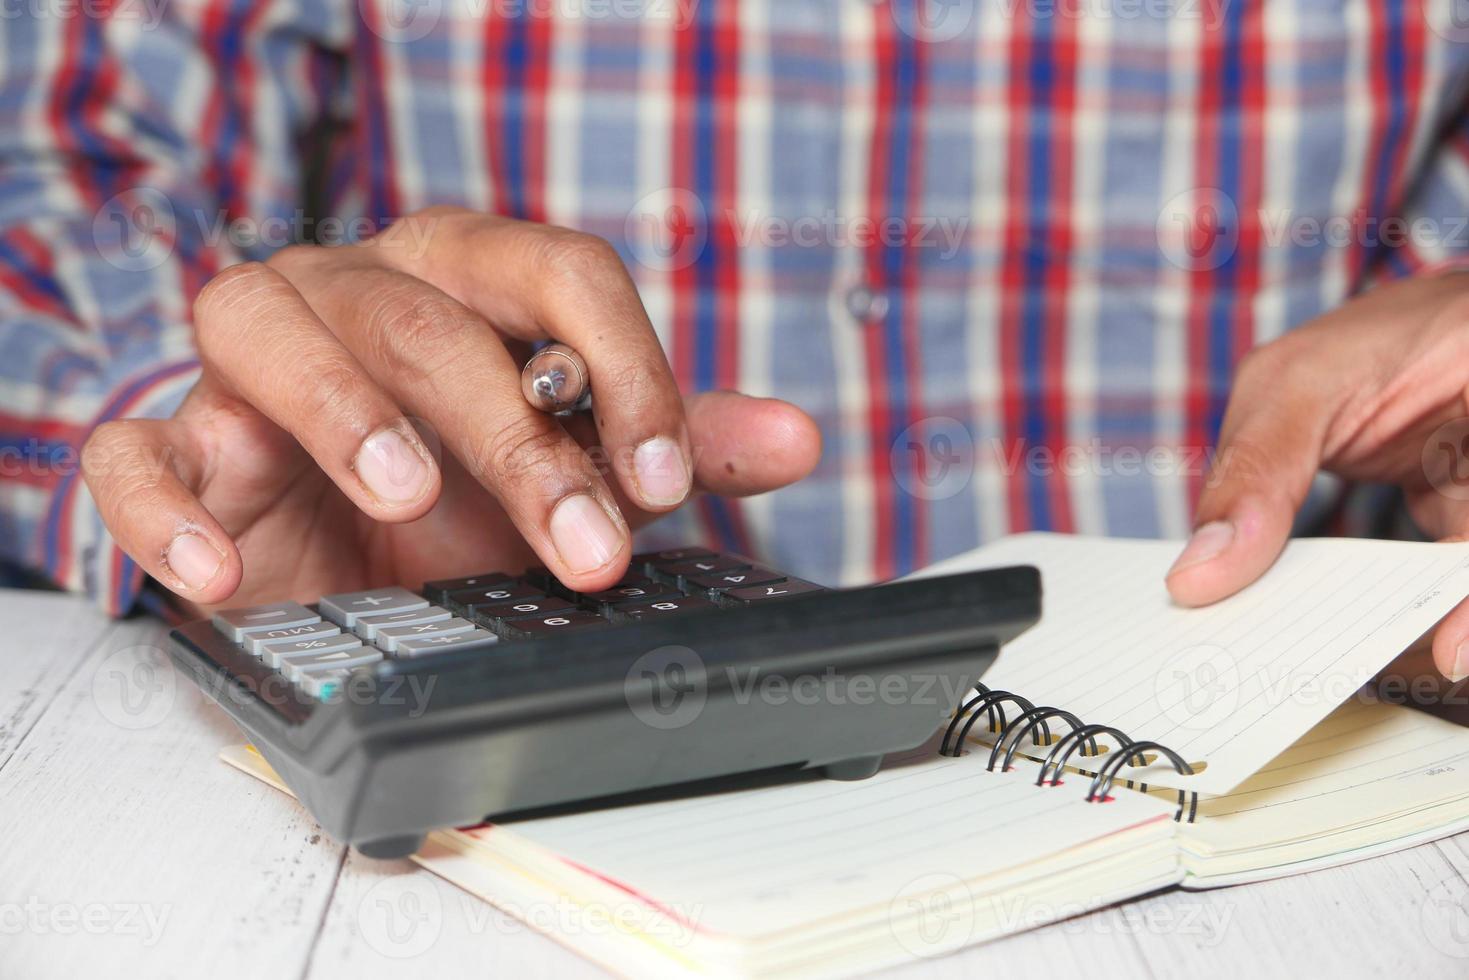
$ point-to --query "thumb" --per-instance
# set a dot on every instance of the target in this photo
(745, 445)
(1261, 475)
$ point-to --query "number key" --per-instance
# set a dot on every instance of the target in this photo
(567, 622)
(734, 580)
(667, 606)
(777, 590)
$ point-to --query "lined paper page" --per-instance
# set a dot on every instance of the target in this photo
(754, 861)
(1364, 765)
(1231, 685)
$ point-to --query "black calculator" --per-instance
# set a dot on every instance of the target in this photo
(392, 712)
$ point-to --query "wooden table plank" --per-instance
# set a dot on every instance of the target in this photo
(131, 851)
(44, 643)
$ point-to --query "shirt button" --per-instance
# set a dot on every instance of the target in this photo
(865, 304)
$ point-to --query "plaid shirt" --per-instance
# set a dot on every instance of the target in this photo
(1006, 252)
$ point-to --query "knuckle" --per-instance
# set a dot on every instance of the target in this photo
(415, 329)
(229, 289)
(294, 259)
(523, 452)
(575, 257)
(333, 396)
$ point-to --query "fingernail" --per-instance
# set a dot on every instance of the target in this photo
(1207, 543)
(584, 536)
(391, 468)
(1461, 662)
(661, 471)
(194, 560)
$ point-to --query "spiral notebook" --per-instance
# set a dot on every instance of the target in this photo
(974, 835)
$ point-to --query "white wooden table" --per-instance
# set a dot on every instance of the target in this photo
(128, 849)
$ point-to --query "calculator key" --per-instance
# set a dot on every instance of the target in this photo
(470, 599)
(644, 591)
(672, 554)
(236, 623)
(773, 590)
(566, 622)
(734, 580)
(439, 589)
(474, 639)
(667, 606)
(320, 663)
(390, 637)
(701, 566)
(495, 617)
(368, 626)
(540, 577)
(276, 654)
(324, 685)
(255, 642)
(345, 609)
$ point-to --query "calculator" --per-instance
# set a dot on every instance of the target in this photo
(392, 712)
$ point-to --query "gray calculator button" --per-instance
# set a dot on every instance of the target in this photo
(255, 642)
(276, 654)
(438, 644)
(345, 609)
(325, 684)
(389, 638)
(368, 626)
(235, 623)
(298, 667)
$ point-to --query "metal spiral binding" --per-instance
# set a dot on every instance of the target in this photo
(1033, 717)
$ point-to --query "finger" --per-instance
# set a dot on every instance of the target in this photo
(260, 338)
(446, 364)
(142, 475)
(535, 282)
(1451, 643)
(1269, 452)
(741, 446)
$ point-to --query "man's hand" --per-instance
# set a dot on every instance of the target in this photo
(1358, 392)
(293, 469)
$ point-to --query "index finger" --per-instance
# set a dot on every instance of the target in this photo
(536, 282)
